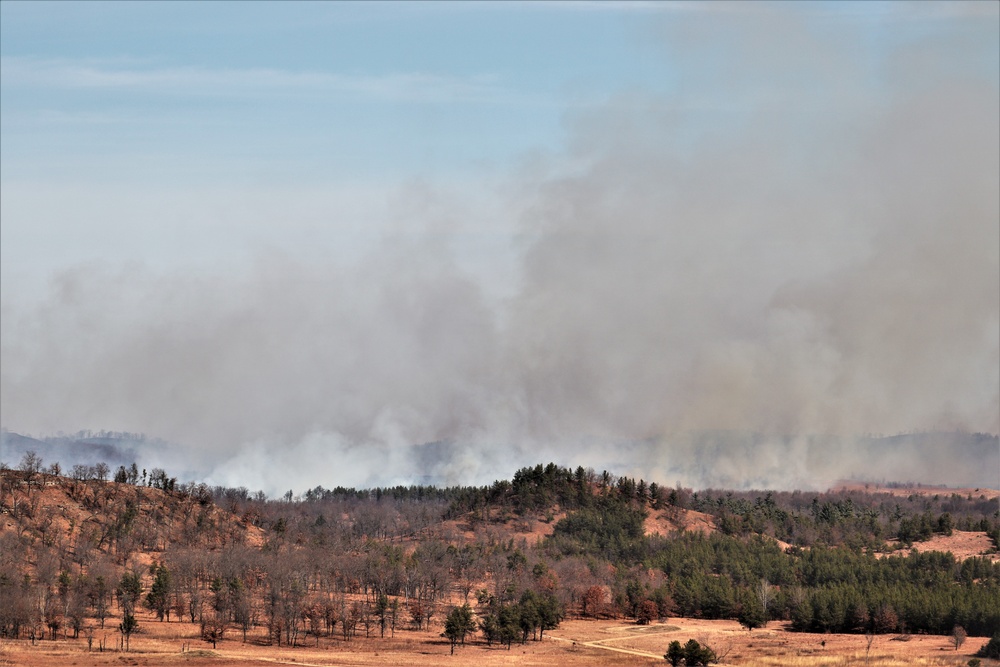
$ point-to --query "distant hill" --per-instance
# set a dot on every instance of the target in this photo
(115, 450)
(702, 459)
(746, 460)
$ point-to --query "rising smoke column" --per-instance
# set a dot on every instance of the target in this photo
(795, 247)
(821, 261)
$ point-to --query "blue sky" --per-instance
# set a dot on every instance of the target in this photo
(353, 227)
(113, 112)
(306, 91)
(137, 103)
(166, 92)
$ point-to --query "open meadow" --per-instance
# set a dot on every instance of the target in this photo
(576, 643)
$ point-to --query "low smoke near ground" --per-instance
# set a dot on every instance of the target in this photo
(802, 267)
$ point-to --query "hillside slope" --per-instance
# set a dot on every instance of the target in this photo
(82, 517)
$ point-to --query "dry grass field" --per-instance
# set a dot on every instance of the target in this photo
(574, 643)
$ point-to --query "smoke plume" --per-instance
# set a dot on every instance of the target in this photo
(725, 285)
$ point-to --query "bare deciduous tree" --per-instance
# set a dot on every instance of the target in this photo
(31, 466)
(765, 595)
(957, 636)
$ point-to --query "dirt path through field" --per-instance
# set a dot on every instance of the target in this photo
(244, 658)
(627, 632)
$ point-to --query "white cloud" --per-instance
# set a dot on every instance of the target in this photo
(419, 87)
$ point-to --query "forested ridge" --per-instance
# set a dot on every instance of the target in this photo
(338, 562)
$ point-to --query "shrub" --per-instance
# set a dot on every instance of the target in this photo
(991, 649)
(675, 653)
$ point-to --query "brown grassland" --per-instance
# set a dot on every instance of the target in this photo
(576, 642)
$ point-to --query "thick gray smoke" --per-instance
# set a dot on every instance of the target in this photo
(717, 286)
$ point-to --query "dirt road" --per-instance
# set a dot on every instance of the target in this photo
(625, 632)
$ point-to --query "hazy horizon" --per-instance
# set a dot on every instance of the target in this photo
(301, 241)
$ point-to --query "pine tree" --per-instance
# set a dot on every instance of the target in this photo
(458, 624)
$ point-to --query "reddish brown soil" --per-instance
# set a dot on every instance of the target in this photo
(961, 543)
(68, 508)
(675, 519)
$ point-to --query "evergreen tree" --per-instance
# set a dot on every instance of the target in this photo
(158, 598)
(675, 653)
(991, 649)
(127, 627)
(751, 613)
(458, 624)
(695, 654)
